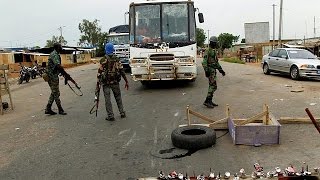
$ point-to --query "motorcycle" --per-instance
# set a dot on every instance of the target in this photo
(24, 75)
(34, 72)
(41, 70)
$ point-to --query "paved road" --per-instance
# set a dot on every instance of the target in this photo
(81, 146)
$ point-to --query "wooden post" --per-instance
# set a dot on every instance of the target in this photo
(266, 118)
(205, 118)
(228, 111)
(188, 115)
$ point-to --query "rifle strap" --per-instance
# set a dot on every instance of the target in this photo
(79, 93)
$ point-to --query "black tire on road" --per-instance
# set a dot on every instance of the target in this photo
(193, 137)
(20, 81)
(266, 69)
(145, 83)
(294, 73)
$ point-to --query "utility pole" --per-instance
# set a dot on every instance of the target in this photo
(274, 26)
(314, 27)
(280, 24)
(125, 17)
(208, 38)
(60, 29)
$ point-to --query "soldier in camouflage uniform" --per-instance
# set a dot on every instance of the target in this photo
(211, 64)
(53, 70)
(109, 75)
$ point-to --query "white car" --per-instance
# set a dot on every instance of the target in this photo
(297, 63)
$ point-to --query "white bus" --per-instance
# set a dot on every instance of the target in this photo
(163, 40)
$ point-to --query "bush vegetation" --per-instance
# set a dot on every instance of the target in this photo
(233, 60)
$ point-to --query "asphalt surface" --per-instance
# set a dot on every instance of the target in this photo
(81, 146)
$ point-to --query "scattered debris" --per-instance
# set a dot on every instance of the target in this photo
(288, 85)
(184, 94)
(33, 116)
(313, 104)
(297, 90)
(281, 99)
(176, 114)
(17, 129)
(40, 94)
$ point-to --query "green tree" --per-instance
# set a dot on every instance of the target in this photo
(92, 36)
(226, 40)
(201, 37)
(100, 47)
(90, 32)
(56, 39)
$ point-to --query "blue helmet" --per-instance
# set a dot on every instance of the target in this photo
(109, 49)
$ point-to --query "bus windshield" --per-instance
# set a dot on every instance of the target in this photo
(165, 22)
(120, 39)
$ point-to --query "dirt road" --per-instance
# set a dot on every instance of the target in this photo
(80, 146)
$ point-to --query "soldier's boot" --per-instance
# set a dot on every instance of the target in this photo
(123, 115)
(61, 111)
(213, 103)
(208, 102)
(49, 110)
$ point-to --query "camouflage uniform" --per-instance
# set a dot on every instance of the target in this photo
(53, 81)
(211, 64)
(109, 75)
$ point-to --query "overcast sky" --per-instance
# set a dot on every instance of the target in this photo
(32, 22)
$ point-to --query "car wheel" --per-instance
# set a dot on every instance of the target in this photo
(294, 73)
(193, 137)
(266, 69)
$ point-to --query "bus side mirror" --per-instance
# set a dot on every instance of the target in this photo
(200, 17)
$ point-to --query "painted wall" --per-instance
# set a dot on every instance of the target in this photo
(6, 58)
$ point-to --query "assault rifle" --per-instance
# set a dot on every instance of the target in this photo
(68, 78)
(95, 107)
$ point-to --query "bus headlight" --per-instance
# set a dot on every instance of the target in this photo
(137, 61)
(186, 60)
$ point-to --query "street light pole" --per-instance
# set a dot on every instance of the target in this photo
(208, 38)
(280, 23)
(60, 29)
(314, 29)
(274, 26)
(125, 17)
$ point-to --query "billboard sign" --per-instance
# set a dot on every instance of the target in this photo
(257, 32)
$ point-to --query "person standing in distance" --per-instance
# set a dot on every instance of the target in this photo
(109, 75)
(211, 64)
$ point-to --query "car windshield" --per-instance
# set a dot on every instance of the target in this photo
(121, 39)
(301, 54)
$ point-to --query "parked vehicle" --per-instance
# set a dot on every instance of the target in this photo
(119, 36)
(35, 71)
(298, 63)
(24, 75)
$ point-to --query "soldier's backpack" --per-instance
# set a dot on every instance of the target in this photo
(111, 73)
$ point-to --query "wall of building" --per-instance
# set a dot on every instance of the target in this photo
(6, 58)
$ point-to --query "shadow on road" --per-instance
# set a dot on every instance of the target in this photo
(166, 84)
(289, 78)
